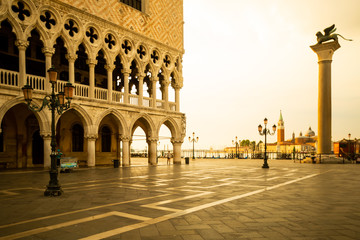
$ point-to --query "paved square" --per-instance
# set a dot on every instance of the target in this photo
(207, 199)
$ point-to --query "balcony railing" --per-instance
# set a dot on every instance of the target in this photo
(11, 79)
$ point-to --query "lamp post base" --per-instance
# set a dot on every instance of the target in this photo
(265, 165)
(53, 191)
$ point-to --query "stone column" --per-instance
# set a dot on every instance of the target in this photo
(153, 90)
(324, 52)
(177, 150)
(91, 63)
(177, 99)
(152, 146)
(110, 68)
(91, 150)
(141, 90)
(22, 45)
(48, 52)
(165, 95)
(47, 150)
(71, 59)
(125, 151)
(126, 74)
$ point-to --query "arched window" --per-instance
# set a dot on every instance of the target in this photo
(105, 139)
(77, 138)
(133, 3)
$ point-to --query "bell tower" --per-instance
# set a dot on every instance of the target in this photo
(280, 130)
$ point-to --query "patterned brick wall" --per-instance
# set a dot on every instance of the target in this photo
(164, 22)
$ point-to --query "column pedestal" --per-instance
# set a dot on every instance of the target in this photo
(324, 52)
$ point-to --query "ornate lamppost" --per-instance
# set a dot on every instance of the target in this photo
(265, 132)
(53, 102)
(194, 140)
(236, 143)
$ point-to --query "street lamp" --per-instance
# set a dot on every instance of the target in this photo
(53, 102)
(265, 132)
(349, 147)
(194, 140)
(236, 143)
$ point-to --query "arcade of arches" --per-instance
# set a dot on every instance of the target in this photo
(115, 76)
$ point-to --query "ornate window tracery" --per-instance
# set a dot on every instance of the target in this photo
(126, 46)
(91, 34)
(110, 41)
(46, 18)
(21, 10)
(71, 27)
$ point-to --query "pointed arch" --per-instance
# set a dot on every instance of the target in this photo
(145, 122)
(85, 118)
(122, 122)
(172, 125)
(44, 122)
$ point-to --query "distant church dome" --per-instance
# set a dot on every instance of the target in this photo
(310, 133)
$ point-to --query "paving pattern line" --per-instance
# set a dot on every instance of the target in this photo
(74, 222)
(120, 230)
(81, 210)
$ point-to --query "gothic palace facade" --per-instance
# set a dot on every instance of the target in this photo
(117, 54)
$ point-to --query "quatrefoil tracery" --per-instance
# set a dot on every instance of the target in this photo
(141, 52)
(91, 34)
(167, 60)
(154, 56)
(46, 18)
(110, 41)
(20, 10)
(126, 46)
(71, 28)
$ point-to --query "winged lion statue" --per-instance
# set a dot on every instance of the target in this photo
(329, 34)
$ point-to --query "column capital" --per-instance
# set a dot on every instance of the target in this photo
(125, 138)
(48, 51)
(176, 141)
(91, 137)
(91, 62)
(325, 51)
(125, 71)
(46, 135)
(166, 83)
(110, 67)
(71, 57)
(21, 44)
(154, 78)
(152, 139)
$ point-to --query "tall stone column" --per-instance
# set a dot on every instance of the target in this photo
(22, 45)
(165, 94)
(152, 143)
(141, 89)
(71, 59)
(126, 74)
(153, 90)
(91, 63)
(110, 68)
(91, 150)
(125, 151)
(177, 150)
(177, 98)
(47, 150)
(48, 52)
(324, 52)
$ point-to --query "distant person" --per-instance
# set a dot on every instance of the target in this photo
(58, 157)
(168, 159)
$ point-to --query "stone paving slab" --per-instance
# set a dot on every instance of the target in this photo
(207, 199)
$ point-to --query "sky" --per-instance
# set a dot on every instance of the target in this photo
(247, 60)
